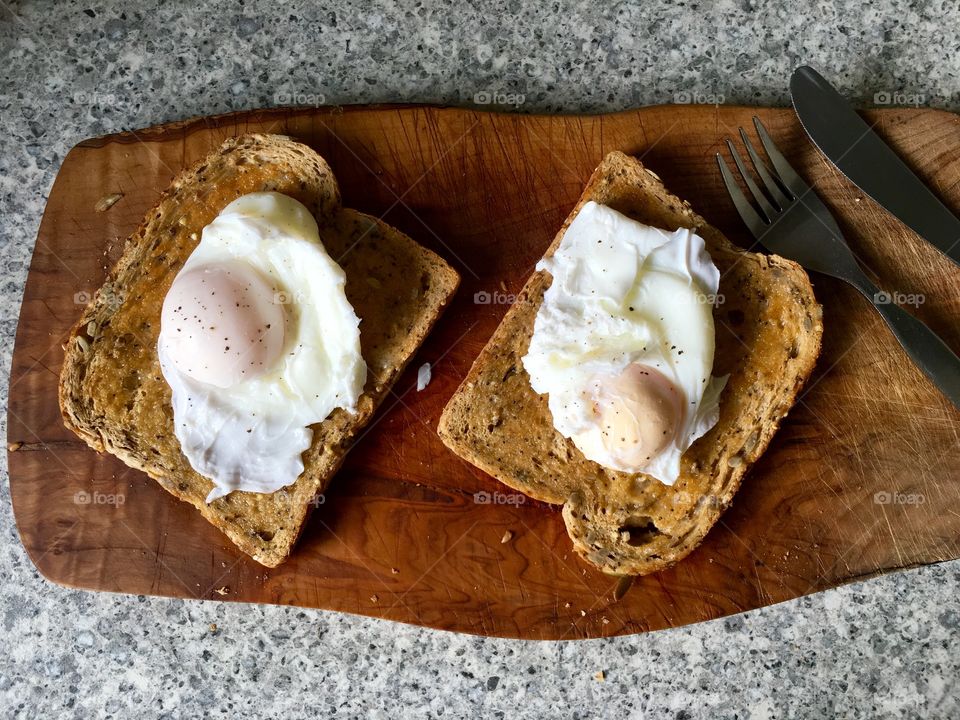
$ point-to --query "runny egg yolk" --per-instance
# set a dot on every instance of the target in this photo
(224, 324)
(638, 413)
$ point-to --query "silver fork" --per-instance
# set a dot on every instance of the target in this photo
(793, 222)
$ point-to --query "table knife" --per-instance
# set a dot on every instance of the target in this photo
(859, 153)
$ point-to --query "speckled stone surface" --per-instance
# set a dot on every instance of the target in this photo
(70, 70)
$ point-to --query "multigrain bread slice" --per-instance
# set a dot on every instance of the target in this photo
(113, 395)
(768, 331)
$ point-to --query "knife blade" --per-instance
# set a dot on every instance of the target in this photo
(859, 153)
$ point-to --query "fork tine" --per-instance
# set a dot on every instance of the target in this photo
(790, 178)
(765, 207)
(772, 186)
(749, 216)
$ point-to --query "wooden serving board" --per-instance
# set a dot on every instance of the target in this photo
(863, 477)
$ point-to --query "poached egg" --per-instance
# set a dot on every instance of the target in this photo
(623, 342)
(258, 342)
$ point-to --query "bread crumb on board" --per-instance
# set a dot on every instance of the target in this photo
(507, 537)
(424, 375)
(107, 202)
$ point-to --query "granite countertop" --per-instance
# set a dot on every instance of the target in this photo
(887, 646)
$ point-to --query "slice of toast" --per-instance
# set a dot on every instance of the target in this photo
(768, 331)
(113, 395)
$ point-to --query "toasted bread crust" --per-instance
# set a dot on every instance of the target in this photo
(768, 328)
(113, 395)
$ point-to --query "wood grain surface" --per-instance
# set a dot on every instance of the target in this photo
(863, 477)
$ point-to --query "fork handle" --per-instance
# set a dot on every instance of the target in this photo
(927, 350)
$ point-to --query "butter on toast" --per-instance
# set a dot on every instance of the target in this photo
(114, 397)
(768, 331)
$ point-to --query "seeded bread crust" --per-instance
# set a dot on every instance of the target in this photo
(768, 332)
(112, 393)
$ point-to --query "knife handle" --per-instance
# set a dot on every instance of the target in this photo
(927, 350)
